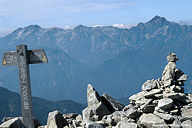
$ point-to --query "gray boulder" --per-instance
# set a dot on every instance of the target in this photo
(125, 124)
(176, 123)
(13, 123)
(7, 118)
(151, 121)
(56, 120)
(139, 99)
(149, 85)
(117, 116)
(95, 112)
(180, 76)
(186, 113)
(90, 124)
(96, 107)
(131, 111)
(165, 103)
(114, 118)
(147, 108)
(176, 88)
(92, 95)
(36, 122)
(186, 124)
(166, 117)
(137, 96)
(79, 119)
(153, 93)
(112, 104)
(181, 97)
(70, 115)
(174, 96)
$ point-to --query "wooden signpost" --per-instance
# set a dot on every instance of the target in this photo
(23, 57)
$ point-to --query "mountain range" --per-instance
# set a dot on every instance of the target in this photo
(11, 106)
(114, 60)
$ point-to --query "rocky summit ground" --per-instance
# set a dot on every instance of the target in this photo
(162, 103)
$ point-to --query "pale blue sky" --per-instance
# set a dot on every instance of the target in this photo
(61, 13)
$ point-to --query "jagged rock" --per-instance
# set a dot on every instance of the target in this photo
(166, 117)
(107, 119)
(180, 76)
(74, 124)
(175, 96)
(131, 111)
(116, 116)
(110, 120)
(56, 120)
(96, 108)
(92, 95)
(176, 88)
(189, 99)
(103, 124)
(150, 120)
(111, 103)
(165, 103)
(36, 122)
(69, 121)
(152, 93)
(95, 112)
(79, 119)
(6, 119)
(12, 123)
(125, 124)
(137, 96)
(181, 97)
(149, 85)
(147, 108)
(125, 118)
(138, 99)
(186, 113)
(70, 115)
(90, 124)
(176, 123)
(160, 110)
(186, 124)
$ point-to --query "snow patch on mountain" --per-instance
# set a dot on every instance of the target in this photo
(125, 26)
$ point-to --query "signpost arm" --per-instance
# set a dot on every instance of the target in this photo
(25, 86)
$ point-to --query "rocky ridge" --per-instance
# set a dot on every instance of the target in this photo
(162, 103)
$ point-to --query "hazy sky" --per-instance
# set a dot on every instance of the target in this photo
(61, 13)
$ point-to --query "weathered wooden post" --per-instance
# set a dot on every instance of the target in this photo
(23, 57)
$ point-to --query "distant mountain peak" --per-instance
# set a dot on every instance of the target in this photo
(158, 19)
(32, 27)
(80, 26)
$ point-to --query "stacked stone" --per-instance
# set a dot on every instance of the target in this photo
(162, 102)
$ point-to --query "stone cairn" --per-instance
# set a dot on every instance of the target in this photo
(162, 103)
